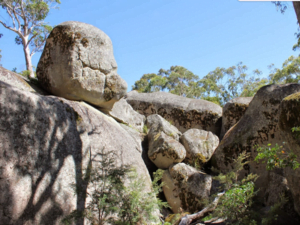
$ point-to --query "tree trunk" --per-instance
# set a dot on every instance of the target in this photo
(28, 59)
(297, 10)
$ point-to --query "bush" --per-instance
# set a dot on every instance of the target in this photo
(277, 156)
(235, 204)
(112, 201)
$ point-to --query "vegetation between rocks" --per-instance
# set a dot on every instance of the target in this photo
(117, 195)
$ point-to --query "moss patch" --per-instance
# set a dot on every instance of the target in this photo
(293, 97)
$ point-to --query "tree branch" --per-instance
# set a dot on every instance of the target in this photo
(11, 16)
(16, 16)
(186, 220)
(23, 15)
(32, 38)
(10, 28)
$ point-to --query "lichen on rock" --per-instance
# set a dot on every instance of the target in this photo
(78, 64)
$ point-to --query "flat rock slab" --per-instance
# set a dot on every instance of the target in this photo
(183, 113)
(78, 64)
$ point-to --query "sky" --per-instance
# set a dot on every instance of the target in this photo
(200, 35)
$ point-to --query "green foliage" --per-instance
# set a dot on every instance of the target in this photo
(145, 129)
(138, 206)
(177, 80)
(290, 72)
(217, 86)
(112, 201)
(221, 84)
(150, 83)
(276, 157)
(235, 204)
(25, 73)
(27, 18)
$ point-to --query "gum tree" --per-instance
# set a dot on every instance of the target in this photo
(27, 21)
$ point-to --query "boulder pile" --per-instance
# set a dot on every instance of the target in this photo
(49, 143)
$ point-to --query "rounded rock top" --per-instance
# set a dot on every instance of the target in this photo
(78, 64)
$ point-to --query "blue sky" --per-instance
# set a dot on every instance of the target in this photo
(200, 35)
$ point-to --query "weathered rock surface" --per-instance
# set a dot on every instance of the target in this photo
(258, 126)
(46, 144)
(289, 118)
(19, 81)
(78, 64)
(233, 112)
(124, 113)
(186, 188)
(184, 113)
(156, 123)
(164, 146)
(199, 145)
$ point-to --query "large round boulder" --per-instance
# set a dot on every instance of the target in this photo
(164, 147)
(78, 64)
(186, 188)
(199, 145)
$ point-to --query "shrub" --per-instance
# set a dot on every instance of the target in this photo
(112, 201)
(235, 204)
(276, 157)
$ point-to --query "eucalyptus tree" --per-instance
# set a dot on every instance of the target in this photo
(27, 21)
(177, 80)
(150, 82)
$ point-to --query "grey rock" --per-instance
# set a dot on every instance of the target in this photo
(78, 64)
(19, 81)
(46, 145)
(184, 113)
(289, 118)
(199, 145)
(233, 112)
(165, 150)
(156, 124)
(124, 113)
(186, 188)
(258, 126)
(164, 146)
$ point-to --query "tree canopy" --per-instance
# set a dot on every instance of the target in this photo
(27, 21)
(219, 85)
